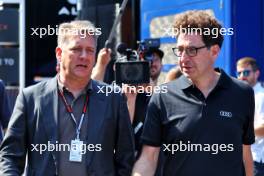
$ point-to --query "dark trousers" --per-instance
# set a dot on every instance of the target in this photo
(258, 169)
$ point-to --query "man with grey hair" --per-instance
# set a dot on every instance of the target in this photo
(68, 125)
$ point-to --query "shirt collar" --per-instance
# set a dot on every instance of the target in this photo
(88, 87)
(223, 81)
(257, 87)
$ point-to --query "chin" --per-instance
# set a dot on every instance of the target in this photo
(186, 74)
(83, 75)
(190, 76)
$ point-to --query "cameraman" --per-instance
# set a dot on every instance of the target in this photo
(137, 103)
(156, 65)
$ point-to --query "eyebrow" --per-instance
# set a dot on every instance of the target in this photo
(187, 46)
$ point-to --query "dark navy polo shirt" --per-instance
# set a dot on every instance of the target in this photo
(217, 125)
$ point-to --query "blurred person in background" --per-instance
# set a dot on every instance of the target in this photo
(248, 71)
(173, 74)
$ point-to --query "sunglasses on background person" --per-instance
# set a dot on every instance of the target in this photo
(244, 73)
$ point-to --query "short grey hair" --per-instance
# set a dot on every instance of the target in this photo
(77, 27)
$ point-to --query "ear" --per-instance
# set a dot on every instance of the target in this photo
(215, 50)
(58, 52)
(257, 73)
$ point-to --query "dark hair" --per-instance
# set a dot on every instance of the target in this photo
(200, 20)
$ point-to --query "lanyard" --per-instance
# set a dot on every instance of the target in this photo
(70, 111)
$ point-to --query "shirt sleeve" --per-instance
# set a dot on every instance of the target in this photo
(259, 109)
(248, 130)
(152, 130)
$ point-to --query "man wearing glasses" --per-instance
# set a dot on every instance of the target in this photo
(198, 122)
(248, 70)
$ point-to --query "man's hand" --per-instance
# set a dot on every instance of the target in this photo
(104, 57)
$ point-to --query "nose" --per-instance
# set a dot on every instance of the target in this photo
(84, 54)
(154, 62)
(184, 56)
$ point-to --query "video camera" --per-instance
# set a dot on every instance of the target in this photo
(134, 66)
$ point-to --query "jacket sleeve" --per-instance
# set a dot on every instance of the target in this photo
(124, 149)
(13, 148)
(5, 111)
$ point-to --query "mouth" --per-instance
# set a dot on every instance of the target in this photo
(186, 67)
(244, 80)
(153, 69)
(81, 66)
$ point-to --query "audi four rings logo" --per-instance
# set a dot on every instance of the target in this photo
(225, 114)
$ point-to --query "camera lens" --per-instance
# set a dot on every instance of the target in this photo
(132, 72)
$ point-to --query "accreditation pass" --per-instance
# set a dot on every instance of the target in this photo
(76, 150)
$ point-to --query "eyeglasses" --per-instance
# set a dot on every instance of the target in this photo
(244, 73)
(190, 51)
